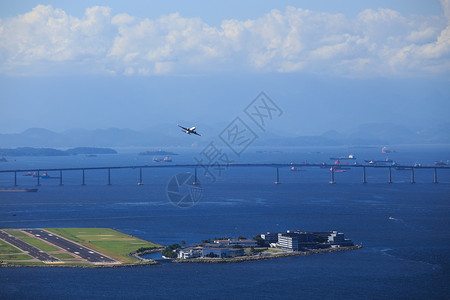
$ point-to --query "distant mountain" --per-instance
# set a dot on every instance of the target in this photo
(366, 134)
(30, 151)
(439, 134)
(381, 133)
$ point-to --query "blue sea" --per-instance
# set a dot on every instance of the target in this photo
(403, 227)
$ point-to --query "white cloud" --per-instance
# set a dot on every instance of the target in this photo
(375, 43)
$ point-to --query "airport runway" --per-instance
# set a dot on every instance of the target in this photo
(70, 246)
(31, 250)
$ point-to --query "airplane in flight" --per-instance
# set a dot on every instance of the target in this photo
(189, 130)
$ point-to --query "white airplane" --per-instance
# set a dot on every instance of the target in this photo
(189, 130)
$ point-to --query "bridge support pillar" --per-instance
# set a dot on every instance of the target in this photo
(412, 175)
(277, 181)
(15, 178)
(83, 183)
(390, 176)
(332, 176)
(60, 178)
(364, 176)
(109, 176)
(38, 177)
(140, 177)
(195, 177)
(435, 176)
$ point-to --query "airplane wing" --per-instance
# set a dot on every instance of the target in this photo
(196, 133)
(182, 127)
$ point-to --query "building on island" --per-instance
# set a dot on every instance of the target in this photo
(301, 240)
(216, 252)
(288, 241)
(270, 237)
(245, 243)
(189, 252)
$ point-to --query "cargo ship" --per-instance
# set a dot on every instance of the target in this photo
(165, 159)
(441, 163)
(387, 150)
(18, 190)
(351, 156)
(375, 162)
(294, 169)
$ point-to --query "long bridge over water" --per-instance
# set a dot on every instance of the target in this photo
(37, 173)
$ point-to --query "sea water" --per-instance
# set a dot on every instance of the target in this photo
(402, 226)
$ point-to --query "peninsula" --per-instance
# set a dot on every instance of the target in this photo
(72, 247)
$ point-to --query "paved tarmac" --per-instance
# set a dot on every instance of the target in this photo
(30, 249)
(70, 246)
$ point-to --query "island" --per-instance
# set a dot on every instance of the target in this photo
(263, 246)
(73, 247)
(30, 151)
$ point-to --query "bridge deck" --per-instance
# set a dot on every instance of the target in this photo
(274, 165)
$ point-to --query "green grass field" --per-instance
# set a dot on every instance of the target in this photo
(16, 233)
(63, 256)
(39, 244)
(110, 242)
(7, 248)
(15, 257)
(105, 240)
(30, 240)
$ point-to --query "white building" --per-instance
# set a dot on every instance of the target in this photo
(189, 252)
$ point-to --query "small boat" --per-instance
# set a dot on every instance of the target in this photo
(387, 150)
(341, 165)
(351, 156)
(165, 159)
(294, 169)
(375, 162)
(46, 176)
(336, 170)
(28, 174)
(18, 190)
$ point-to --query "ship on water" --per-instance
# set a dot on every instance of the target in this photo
(18, 190)
(441, 163)
(387, 150)
(167, 158)
(380, 162)
(351, 156)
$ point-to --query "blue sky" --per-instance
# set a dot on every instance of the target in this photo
(328, 64)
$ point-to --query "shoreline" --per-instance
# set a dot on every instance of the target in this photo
(264, 257)
(239, 259)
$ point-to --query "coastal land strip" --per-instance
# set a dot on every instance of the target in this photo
(73, 247)
(104, 247)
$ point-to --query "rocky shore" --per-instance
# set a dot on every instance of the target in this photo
(262, 256)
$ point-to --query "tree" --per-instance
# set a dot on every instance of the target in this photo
(170, 251)
(260, 241)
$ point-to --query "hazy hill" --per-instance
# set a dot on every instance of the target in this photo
(366, 134)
